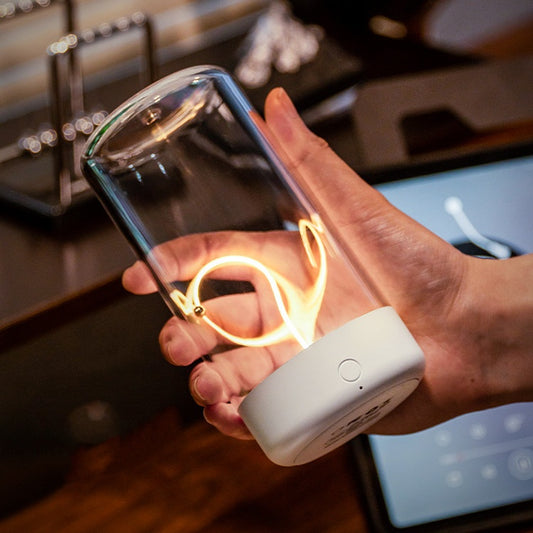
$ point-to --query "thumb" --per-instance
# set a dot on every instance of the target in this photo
(326, 178)
(391, 246)
(344, 201)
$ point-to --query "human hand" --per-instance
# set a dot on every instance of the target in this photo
(457, 307)
(250, 333)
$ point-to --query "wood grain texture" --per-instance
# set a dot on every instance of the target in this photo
(166, 478)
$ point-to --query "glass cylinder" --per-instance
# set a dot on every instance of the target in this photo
(188, 172)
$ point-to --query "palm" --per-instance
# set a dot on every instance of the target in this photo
(252, 320)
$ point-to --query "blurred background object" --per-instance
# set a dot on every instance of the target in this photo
(65, 63)
(491, 28)
(277, 41)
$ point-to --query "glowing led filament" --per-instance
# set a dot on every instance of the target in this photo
(299, 314)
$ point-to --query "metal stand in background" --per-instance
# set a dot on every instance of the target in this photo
(8, 10)
(70, 122)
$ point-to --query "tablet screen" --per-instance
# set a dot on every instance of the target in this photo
(475, 462)
(482, 460)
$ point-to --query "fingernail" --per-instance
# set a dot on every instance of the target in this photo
(284, 120)
(168, 348)
(285, 100)
(195, 391)
(166, 351)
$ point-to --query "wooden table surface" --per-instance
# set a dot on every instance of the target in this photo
(167, 478)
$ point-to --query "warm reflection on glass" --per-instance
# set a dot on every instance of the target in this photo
(298, 309)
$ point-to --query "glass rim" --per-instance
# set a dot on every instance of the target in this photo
(145, 97)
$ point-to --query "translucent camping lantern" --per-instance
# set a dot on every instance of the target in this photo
(236, 244)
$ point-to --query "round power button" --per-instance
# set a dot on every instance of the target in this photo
(350, 370)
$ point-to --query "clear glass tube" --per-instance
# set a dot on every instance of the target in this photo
(235, 242)
(189, 155)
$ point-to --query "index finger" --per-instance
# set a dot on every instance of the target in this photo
(182, 258)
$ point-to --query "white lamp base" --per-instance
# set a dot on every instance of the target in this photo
(334, 389)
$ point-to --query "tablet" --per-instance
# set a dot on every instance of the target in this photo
(475, 472)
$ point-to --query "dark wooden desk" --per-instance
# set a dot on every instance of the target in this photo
(44, 272)
(167, 478)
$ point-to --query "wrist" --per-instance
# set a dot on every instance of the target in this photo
(501, 316)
